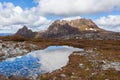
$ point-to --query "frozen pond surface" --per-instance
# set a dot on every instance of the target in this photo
(37, 62)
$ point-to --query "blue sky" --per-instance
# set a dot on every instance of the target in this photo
(39, 14)
(22, 3)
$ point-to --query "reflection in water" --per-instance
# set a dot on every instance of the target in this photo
(37, 62)
(24, 66)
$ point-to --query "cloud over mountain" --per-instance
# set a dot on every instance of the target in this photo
(77, 7)
(111, 22)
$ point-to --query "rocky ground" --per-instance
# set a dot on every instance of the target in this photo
(12, 49)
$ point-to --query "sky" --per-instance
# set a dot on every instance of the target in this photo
(39, 14)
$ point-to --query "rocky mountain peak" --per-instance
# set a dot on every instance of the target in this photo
(24, 28)
(61, 28)
(25, 32)
(81, 24)
(56, 22)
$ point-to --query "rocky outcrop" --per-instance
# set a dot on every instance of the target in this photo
(25, 32)
(59, 30)
(12, 49)
(80, 24)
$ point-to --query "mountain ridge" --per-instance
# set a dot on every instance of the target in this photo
(78, 29)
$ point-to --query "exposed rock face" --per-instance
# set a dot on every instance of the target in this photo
(25, 32)
(81, 24)
(69, 28)
(80, 29)
(59, 30)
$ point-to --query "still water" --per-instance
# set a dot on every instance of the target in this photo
(37, 62)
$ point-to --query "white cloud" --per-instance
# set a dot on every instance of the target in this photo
(10, 28)
(76, 7)
(71, 18)
(111, 22)
(14, 17)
